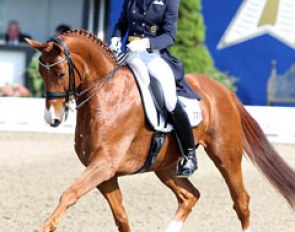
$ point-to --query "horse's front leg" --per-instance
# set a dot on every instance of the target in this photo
(96, 173)
(111, 191)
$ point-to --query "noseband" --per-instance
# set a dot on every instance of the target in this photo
(49, 66)
(72, 82)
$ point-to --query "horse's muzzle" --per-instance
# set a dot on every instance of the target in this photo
(56, 123)
(53, 119)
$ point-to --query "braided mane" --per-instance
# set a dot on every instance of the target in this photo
(92, 37)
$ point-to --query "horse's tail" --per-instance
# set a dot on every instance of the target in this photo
(263, 155)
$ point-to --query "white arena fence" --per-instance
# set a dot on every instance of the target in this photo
(26, 115)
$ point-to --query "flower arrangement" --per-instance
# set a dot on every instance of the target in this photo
(14, 90)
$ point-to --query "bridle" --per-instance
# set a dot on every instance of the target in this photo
(72, 81)
(72, 67)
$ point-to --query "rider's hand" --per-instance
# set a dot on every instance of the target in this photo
(116, 45)
(139, 45)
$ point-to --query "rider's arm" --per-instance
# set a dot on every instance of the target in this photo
(167, 38)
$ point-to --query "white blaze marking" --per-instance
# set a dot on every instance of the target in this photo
(174, 226)
(49, 115)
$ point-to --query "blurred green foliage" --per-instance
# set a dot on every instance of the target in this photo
(190, 47)
(33, 80)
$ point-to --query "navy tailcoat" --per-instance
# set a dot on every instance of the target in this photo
(156, 20)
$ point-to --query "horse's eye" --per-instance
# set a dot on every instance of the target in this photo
(61, 74)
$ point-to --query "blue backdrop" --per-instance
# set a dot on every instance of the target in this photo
(115, 10)
(249, 60)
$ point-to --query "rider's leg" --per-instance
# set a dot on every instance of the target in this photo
(184, 133)
(138, 66)
(162, 72)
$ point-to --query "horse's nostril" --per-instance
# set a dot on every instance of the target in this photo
(55, 123)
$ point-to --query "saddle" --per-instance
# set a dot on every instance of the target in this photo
(154, 105)
(157, 117)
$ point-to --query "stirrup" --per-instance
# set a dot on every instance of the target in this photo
(184, 173)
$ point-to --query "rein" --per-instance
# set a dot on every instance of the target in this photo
(72, 68)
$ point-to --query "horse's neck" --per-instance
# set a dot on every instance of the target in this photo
(97, 64)
(119, 98)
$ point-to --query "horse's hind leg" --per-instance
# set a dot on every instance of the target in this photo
(113, 195)
(228, 159)
(187, 196)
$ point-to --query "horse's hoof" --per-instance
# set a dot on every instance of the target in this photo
(46, 228)
(39, 230)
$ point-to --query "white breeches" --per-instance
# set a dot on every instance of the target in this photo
(145, 63)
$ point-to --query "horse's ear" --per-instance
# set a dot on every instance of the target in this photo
(57, 48)
(42, 47)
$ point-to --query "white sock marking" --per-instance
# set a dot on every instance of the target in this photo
(247, 230)
(174, 226)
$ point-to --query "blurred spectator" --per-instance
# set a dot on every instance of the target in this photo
(13, 35)
(62, 28)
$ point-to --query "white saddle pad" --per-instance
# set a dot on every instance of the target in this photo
(191, 106)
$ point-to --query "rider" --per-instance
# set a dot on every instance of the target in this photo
(152, 26)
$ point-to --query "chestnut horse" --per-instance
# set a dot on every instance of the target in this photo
(112, 138)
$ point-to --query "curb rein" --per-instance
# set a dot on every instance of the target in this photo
(72, 68)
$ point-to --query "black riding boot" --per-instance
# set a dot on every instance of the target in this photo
(184, 133)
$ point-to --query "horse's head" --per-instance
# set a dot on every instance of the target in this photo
(58, 73)
(59, 69)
